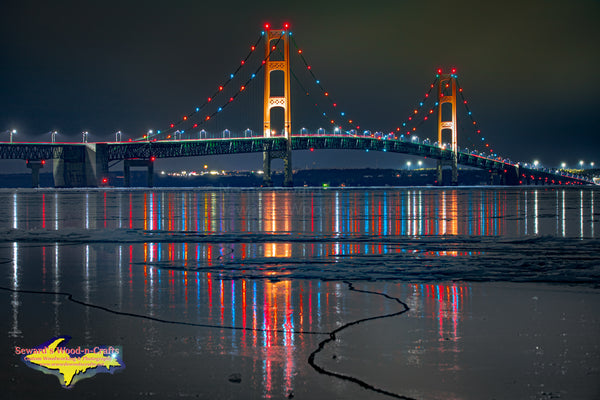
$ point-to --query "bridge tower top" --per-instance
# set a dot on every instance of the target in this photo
(447, 120)
(277, 65)
(277, 35)
(447, 95)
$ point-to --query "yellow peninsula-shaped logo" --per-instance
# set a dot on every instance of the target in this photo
(70, 365)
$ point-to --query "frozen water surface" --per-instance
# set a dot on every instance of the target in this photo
(482, 292)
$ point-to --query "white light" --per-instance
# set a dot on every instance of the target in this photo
(563, 165)
(420, 163)
(536, 163)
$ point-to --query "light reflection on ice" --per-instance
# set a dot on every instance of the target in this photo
(15, 218)
(592, 214)
(55, 211)
(226, 258)
(382, 233)
(581, 209)
(15, 332)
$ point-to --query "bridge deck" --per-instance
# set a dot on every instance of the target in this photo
(204, 147)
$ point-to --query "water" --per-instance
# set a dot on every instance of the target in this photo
(200, 284)
(470, 234)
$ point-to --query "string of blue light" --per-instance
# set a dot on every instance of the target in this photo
(220, 89)
(410, 120)
(469, 114)
(325, 93)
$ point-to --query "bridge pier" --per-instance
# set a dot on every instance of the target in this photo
(493, 177)
(286, 155)
(35, 166)
(287, 168)
(81, 166)
(267, 181)
(455, 168)
(440, 172)
(511, 175)
(149, 164)
(506, 176)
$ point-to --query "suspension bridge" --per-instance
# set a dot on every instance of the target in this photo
(194, 135)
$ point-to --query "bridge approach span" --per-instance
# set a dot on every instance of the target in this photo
(86, 164)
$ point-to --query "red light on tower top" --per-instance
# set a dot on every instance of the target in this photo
(267, 26)
(453, 70)
(439, 71)
(286, 25)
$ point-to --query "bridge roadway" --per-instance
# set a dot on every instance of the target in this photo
(97, 155)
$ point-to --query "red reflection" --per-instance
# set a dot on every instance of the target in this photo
(131, 212)
(210, 291)
(222, 300)
(104, 209)
(43, 210)
(244, 310)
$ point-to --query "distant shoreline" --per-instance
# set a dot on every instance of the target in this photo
(362, 177)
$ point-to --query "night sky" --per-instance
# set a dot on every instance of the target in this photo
(528, 68)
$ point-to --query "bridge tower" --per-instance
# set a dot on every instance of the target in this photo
(277, 35)
(447, 121)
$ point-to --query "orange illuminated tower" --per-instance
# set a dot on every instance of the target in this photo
(447, 121)
(274, 63)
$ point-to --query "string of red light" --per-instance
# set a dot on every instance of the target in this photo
(220, 89)
(304, 90)
(411, 117)
(431, 111)
(474, 123)
(242, 87)
(325, 93)
(424, 119)
(408, 121)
